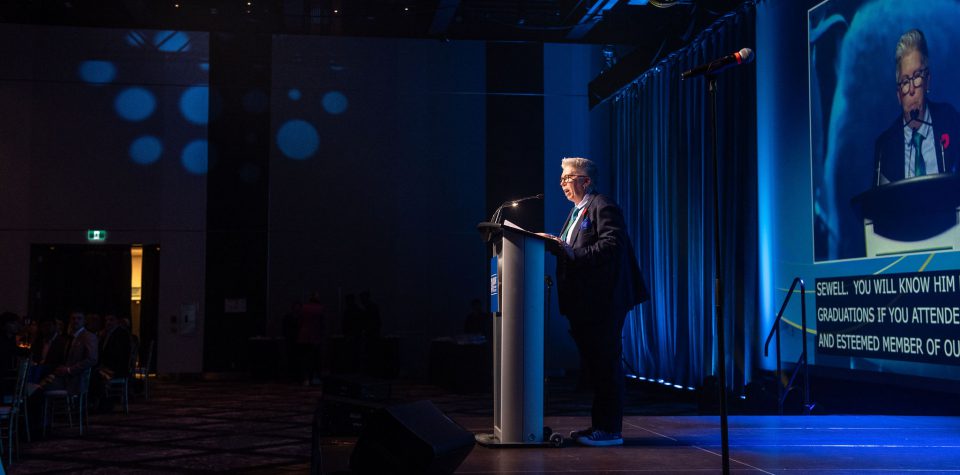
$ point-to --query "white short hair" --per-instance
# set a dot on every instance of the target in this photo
(585, 165)
(911, 41)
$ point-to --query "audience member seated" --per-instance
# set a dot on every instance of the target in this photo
(134, 339)
(81, 354)
(48, 350)
(114, 361)
(9, 351)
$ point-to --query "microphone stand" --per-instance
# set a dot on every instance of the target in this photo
(718, 281)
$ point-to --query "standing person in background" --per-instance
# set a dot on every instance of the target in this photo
(310, 339)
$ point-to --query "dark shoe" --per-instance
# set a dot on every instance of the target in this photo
(574, 434)
(599, 438)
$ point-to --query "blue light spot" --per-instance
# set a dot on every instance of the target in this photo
(255, 101)
(171, 41)
(146, 150)
(194, 157)
(298, 139)
(334, 102)
(194, 104)
(294, 94)
(135, 104)
(204, 66)
(98, 72)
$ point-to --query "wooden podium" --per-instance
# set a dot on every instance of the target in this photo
(517, 301)
(918, 214)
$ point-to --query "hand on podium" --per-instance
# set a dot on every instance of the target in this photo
(555, 244)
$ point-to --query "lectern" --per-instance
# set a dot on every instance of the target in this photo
(516, 289)
(918, 214)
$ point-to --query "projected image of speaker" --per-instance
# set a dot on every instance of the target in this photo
(411, 438)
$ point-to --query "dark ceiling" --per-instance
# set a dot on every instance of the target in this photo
(622, 22)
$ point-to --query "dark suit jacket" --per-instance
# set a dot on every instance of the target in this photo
(603, 276)
(115, 352)
(82, 353)
(889, 147)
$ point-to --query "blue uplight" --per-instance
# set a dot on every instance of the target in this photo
(335, 102)
(146, 150)
(194, 157)
(171, 41)
(294, 94)
(194, 104)
(298, 139)
(135, 104)
(97, 72)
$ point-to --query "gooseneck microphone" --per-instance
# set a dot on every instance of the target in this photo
(915, 116)
(743, 56)
(512, 203)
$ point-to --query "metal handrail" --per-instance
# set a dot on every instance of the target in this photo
(802, 362)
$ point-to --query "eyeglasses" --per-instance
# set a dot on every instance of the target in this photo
(916, 80)
(570, 178)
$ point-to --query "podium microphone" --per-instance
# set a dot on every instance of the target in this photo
(513, 203)
(743, 56)
(915, 116)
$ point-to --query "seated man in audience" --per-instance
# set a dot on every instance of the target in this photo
(81, 354)
(9, 351)
(48, 350)
(114, 360)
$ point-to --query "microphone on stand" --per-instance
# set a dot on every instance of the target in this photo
(743, 56)
(512, 203)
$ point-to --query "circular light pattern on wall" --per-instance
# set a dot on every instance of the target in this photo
(97, 72)
(335, 102)
(194, 104)
(294, 94)
(298, 139)
(146, 150)
(135, 104)
(194, 157)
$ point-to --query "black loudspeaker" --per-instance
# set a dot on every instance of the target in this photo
(410, 438)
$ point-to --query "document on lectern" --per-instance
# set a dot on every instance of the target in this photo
(511, 224)
(552, 242)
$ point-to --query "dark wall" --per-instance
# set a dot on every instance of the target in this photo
(106, 129)
(515, 130)
(377, 180)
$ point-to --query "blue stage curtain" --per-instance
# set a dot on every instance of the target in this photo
(663, 181)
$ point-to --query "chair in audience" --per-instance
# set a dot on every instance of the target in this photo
(120, 387)
(68, 402)
(142, 370)
(10, 414)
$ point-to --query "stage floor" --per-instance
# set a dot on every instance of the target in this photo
(758, 444)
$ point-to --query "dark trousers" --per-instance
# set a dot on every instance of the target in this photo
(598, 337)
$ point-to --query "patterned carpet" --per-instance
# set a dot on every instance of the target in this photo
(250, 427)
(196, 427)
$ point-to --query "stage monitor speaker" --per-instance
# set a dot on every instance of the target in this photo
(410, 438)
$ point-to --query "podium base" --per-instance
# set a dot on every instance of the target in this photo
(491, 441)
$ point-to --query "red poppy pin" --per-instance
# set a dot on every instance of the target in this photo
(945, 141)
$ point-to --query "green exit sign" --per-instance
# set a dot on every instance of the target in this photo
(96, 235)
